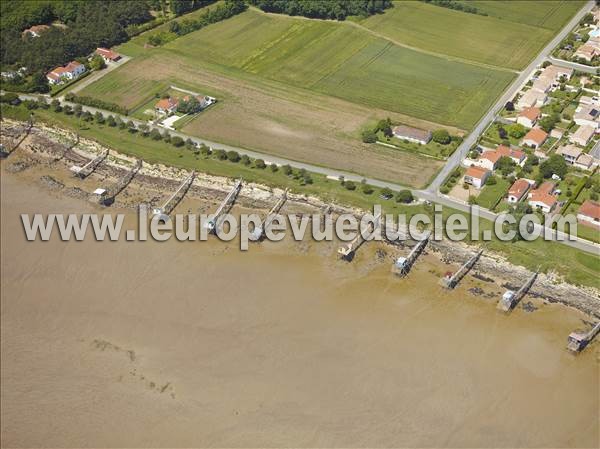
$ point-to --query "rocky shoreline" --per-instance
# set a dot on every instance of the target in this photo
(54, 148)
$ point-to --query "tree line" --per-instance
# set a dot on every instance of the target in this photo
(458, 6)
(323, 9)
(222, 11)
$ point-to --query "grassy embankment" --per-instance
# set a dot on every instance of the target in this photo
(577, 267)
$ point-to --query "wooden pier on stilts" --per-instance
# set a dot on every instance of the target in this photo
(402, 265)
(88, 169)
(107, 196)
(260, 230)
(224, 207)
(174, 199)
(452, 281)
(347, 252)
(577, 341)
(510, 299)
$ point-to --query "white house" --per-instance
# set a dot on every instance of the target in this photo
(166, 106)
(412, 134)
(535, 138)
(518, 190)
(587, 115)
(108, 55)
(532, 98)
(542, 198)
(477, 176)
(569, 152)
(69, 72)
(583, 135)
(528, 117)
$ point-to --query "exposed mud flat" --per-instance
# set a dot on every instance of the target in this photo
(148, 344)
(54, 149)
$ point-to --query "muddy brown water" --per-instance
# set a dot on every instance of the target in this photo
(196, 344)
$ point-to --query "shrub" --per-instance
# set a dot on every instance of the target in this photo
(444, 189)
(155, 134)
(245, 160)
(349, 185)
(259, 163)
(177, 141)
(369, 136)
(233, 156)
(205, 150)
(367, 189)
(517, 130)
(386, 192)
(220, 155)
(441, 136)
(287, 170)
(404, 196)
(274, 167)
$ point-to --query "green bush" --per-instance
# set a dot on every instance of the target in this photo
(177, 141)
(441, 136)
(233, 156)
(404, 196)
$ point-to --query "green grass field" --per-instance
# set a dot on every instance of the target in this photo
(489, 40)
(550, 14)
(335, 59)
(491, 194)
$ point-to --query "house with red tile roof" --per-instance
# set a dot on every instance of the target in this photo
(35, 30)
(477, 176)
(528, 117)
(518, 190)
(517, 156)
(108, 55)
(69, 72)
(542, 198)
(166, 106)
(535, 138)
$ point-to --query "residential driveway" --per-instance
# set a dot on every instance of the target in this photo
(95, 76)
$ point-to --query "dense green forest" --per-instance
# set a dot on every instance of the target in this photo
(323, 9)
(78, 27)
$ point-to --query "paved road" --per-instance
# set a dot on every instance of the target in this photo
(429, 194)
